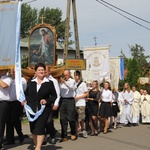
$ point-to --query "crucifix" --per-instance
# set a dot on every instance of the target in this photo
(42, 18)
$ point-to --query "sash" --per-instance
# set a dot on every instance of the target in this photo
(30, 112)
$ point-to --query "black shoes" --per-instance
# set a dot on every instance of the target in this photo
(128, 125)
(9, 143)
(53, 141)
(44, 142)
(21, 139)
(1, 147)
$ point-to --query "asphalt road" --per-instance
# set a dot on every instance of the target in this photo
(123, 138)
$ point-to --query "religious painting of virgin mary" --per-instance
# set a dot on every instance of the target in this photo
(42, 47)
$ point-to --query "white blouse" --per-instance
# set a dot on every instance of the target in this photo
(106, 96)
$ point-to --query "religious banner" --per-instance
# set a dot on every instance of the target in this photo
(8, 23)
(42, 45)
(97, 64)
(114, 72)
(122, 69)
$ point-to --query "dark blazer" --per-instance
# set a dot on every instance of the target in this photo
(46, 91)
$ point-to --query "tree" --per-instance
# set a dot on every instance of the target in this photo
(137, 65)
(134, 72)
(137, 52)
(28, 19)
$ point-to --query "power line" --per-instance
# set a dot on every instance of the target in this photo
(125, 12)
(124, 15)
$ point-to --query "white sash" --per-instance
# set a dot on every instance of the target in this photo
(19, 90)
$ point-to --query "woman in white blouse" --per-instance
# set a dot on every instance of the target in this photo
(105, 107)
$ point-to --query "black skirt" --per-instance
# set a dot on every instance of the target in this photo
(105, 110)
(92, 108)
(37, 127)
(115, 108)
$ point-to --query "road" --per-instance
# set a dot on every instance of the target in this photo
(123, 138)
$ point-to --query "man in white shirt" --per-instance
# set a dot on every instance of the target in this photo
(50, 129)
(67, 107)
(15, 112)
(81, 93)
(5, 83)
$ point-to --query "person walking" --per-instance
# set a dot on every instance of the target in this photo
(136, 107)
(81, 93)
(127, 100)
(40, 91)
(145, 107)
(67, 106)
(93, 104)
(50, 129)
(115, 107)
(105, 108)
(15, 112)
(5, 82)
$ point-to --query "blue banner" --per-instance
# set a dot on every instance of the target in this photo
(8, 14)
(121, 69)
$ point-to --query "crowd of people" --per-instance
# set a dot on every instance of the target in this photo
(88, 108)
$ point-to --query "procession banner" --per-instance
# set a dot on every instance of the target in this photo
(121, 69)
(114, 72)
(8, 23)
(97, 64)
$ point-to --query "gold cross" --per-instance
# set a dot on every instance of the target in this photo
(42, 19)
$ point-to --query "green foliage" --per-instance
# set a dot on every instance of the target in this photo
(28, 19)
(137, 65)
(24, 62)
(134, 72)
(137, 52)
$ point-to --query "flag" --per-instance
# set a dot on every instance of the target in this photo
(121, 69)
(8, 23)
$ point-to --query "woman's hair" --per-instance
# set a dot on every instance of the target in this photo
(96, 82)
(114, 90)
(109, 86)
(128, 88)
(40, 65)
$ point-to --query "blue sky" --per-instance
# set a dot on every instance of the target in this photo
(95, 20)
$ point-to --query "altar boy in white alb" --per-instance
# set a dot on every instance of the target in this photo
(127, 99)
(136, 106)
(145, 107)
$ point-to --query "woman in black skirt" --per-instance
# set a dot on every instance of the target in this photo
(40, 91)
(92, 105)
(105, 108)
(115, 107)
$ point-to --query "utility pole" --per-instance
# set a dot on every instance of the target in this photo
(95, 38)
(75, 30)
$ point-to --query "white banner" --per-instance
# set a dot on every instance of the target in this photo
(97, 64)
(114, 72)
